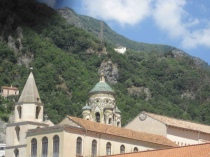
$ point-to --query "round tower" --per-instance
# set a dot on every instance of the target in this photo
(86, 110)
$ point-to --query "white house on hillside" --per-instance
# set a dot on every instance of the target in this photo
(120, 49)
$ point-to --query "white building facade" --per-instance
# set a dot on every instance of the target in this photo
(179, 131)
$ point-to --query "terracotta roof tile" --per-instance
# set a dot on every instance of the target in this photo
(7, 87)
(122, 132)
(201, 150)
(180, 123)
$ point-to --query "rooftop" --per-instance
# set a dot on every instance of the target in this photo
(101, 86)
(200, 150)
(9, 87)
(30, 92)
(122, 132)
(180, 123)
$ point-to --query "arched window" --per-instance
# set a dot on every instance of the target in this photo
(108, 148)
(56, 146)
(17, 130)
(38, 108)
(97, 117)
(135, 149)
(33, 147)
(19, 108)
(118, 124)
(122, 149)
(79, 146)
(16, 152)
(44, 147)
(110, 120)
(94, 148)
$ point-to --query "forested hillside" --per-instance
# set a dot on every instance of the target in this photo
(93, 26)
(66, 62)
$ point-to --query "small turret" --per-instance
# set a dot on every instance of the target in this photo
(86, 112)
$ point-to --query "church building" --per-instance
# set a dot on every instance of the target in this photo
(98, 133)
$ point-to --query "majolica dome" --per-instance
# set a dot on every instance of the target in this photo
(86, 107)
(101, 87)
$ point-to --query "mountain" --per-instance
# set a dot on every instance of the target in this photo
(67, 61)
(93, 26)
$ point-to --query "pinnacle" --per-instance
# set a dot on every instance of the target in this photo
(30, 92)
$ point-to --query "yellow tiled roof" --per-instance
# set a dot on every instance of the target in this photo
(201, 150)
(122, 132)
(180, 123)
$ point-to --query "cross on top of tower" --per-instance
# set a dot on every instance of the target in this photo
(102, 78)
(45, 117)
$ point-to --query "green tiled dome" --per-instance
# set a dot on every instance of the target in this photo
(86, 107)
(102, 87)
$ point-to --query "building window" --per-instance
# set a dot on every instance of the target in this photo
(16, 152)
(97, 117)
(17, 130)
(122, 149)
(19, 108)
(56, 146)
(135, 149)
(79, 146)
(110, 120)
(44, 147)
(33, 147)
(108, 148)
(118, 124)
(38, 108)
(94, 148)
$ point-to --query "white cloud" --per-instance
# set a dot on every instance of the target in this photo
(170, 16)
(167, 15)
(200, 37)
(128, 12)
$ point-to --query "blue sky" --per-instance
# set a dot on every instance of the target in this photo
(184, 24)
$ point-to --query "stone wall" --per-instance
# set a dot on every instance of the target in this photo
(2, 132)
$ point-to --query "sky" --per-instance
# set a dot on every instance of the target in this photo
(184, 24)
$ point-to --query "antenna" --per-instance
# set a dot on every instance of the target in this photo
(102, 33)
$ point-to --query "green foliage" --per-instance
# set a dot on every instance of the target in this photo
(65, 72)
(112, 38)
(6, 107)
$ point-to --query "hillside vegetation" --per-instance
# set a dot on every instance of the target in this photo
(93, 26)
(32, 34)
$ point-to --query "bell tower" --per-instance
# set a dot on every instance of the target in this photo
(29, 106)
(101, 106)
(28, 114)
